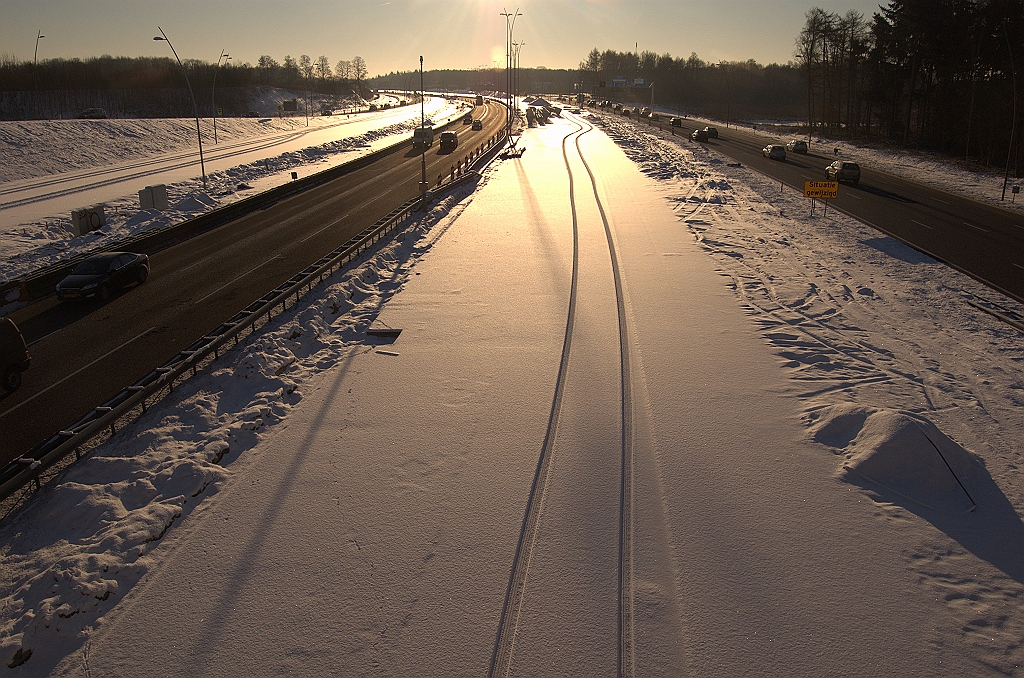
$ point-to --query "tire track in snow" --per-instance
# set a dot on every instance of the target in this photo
(501, 657)
(501, 660)
(625, 653)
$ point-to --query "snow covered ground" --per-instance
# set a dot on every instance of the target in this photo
(925, 167)
(827, 453)
(256, 156)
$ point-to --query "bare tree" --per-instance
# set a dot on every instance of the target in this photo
(322, 67)
(359, 71)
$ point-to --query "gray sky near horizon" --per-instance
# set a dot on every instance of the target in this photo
(391, 34)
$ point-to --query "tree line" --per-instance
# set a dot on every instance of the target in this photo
(154, 86)
(936, 74)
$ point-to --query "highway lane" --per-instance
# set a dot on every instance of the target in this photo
(983, 241)
(84, 354)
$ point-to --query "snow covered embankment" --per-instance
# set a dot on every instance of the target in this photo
(861, 321)
(74, 551)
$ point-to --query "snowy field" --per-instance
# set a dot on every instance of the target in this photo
(56, 149)
(322, 502)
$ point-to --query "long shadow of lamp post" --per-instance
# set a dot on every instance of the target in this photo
(195, 108)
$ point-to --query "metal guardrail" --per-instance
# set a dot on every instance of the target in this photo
(42, 281)
(27, 469)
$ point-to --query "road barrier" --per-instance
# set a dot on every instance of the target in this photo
(136, 398)
(42, 281)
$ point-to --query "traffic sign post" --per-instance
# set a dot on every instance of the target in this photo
(821, 190)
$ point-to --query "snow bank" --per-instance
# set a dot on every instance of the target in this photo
(901, 452)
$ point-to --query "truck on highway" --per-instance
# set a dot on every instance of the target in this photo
(423, 137)
(479, 99)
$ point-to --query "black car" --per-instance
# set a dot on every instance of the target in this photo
(699, 135)
(101, 275)
(712, 132)
(676, 122)
(14, 357)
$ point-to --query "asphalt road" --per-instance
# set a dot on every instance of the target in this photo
(83, 354)
(983, 241)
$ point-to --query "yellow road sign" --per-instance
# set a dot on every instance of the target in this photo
(822, 190)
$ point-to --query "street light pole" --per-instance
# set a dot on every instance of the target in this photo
(35, 73)
(195, 109)
(423, 145)
(510, 24)
(1013, 122)
(213, 91)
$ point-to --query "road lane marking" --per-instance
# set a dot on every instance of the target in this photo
(983, 230)
(940, 200)
(1019, 266)
(199, 301)
(854, 195)
(81, 369)
(333, 223)
(920, 224)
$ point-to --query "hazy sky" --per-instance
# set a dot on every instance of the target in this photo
(390, 35)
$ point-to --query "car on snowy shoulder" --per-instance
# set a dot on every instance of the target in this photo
(797, 146)
(774, 152)
(843, 170)
(102, 275)
(699, 135)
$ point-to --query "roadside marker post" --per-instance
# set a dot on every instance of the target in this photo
(821, 190)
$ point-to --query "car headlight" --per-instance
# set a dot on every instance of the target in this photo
(90, 286)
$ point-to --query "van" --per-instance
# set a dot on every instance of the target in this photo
(423, 137)
(14, 357)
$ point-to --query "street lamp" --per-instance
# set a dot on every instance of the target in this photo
(213, 91)
(35, 73)
(510, 23)
(1013, 123)
(423, 145)
(195, 109)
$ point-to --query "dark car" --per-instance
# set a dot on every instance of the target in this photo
(712, 132)
(774, 152)
(676, 122)
(93, 114)
(843, 170)
(14, 357)
(467, 119)
(449, 141)
(478, 125)
(101, 275)
(699, 135)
